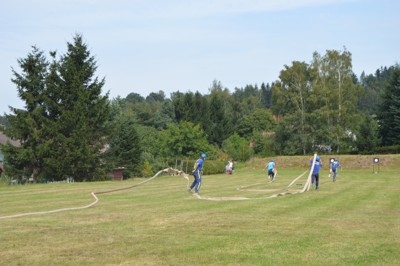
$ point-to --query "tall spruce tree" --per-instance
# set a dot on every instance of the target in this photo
(125, 149)
(85, 112)
(221, 118)
(164, 115)
(367, 137)
(265, 95)
(27, 126)
(389, 111)
(64, 125)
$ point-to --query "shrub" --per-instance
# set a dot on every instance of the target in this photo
(388, 149)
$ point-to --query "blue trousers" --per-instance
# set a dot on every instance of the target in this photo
(271, 174)
(334, 174)
(196, 182)
(315, 177)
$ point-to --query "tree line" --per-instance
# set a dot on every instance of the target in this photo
(70, 128)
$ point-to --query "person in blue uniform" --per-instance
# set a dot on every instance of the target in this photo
(315, 173)
(197, 173)
(334, 166)
(271, 170)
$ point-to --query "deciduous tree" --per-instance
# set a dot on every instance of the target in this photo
(336, 95)
(185, 139)
(293, 95)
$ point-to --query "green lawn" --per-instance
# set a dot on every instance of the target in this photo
(354, 221)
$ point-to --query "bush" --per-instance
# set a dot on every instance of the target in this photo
(238, 148)
(4, 180)
(214, 167)
(210, 166)
(388, 149)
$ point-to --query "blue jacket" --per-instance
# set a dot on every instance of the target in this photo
(199, 163)
(271, 165)
(316, 166)
(334, 165)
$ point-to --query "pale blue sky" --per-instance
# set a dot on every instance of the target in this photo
(144, 46)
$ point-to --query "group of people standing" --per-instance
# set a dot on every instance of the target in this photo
(334, 165)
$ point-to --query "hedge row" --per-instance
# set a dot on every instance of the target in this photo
(395, 149)
(211, 167)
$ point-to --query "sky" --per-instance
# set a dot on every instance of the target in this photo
(144, 46)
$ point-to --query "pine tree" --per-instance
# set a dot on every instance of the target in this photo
(389, 111)
(164, 115)
(85, 112)
(265, 96)
(367, 137)
(64, 125)
(125, 147)
(220, 119)
(28, 126)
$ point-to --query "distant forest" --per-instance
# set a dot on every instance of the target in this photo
(321, 106)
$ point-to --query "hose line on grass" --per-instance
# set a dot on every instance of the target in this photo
(178, 172)
(96, 200)
(198, 196)
(307, 187)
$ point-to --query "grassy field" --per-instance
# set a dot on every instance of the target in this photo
(354, 221)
